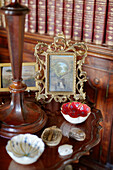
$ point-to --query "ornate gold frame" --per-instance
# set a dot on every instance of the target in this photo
(60, 46)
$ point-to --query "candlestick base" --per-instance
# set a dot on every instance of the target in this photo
(30, 119)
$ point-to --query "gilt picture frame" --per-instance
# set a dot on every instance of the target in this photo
(60, 73)
(28, 76)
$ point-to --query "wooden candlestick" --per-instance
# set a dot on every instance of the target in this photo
(20, 116)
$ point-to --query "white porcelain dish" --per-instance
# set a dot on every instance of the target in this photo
(25, 148)
(65, 150)
(77, 120)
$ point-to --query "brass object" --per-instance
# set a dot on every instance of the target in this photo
(63, 49)
(52, 136)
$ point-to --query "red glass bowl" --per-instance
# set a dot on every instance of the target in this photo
(75, 112)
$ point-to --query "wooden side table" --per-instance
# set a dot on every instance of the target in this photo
(50, 159)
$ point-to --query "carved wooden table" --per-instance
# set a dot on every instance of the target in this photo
(50, 159)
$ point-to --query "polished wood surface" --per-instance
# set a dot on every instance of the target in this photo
(99, 67)
(19, 116)
(50, 159)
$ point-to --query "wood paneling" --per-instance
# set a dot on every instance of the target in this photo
(99, 68)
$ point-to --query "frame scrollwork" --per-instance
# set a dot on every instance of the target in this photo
(68, 52)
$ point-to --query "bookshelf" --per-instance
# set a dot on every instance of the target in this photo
(99, 67)
(84, 20)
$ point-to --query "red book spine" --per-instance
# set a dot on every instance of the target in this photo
(68, 11)
(32, 16)
(50, 17)
(88, 20)
(41, 16)
(109, 29)
(25, 3)
(99, 21)
(58, 16)
(77, 19)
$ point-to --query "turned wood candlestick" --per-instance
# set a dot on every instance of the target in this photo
(20, 116)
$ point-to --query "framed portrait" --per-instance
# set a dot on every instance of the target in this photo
(61, 73)
(28, 76)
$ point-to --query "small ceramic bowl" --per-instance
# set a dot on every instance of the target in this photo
(75, 112)
(65, 149)
(25, 148)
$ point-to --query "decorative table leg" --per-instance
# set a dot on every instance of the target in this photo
(20, 116)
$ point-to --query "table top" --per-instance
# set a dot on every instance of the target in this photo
(50, 159)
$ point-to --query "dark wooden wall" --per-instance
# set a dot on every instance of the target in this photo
(99, 68)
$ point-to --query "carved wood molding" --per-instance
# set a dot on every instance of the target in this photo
(93, 49)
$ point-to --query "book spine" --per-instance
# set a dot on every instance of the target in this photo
(41, 16)
(58, 16)
(32, 16)
(50, 17)
(99, 21)
(67, 25)
(25, 3)
(88, 20)
(78, 19)
(109, 29)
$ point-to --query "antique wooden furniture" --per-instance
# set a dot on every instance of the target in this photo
(50, 159)
(20, 116)
(99, 67)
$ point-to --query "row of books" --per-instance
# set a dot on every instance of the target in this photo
(86, 20)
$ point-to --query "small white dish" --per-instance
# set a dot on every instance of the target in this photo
(65, 150)
(77, 120)
(25, 148)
